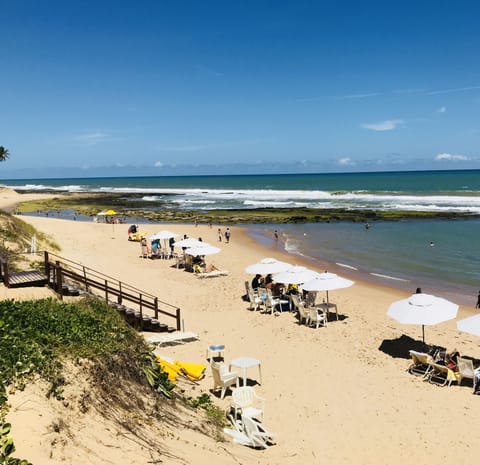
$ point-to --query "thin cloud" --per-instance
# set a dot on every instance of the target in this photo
(338, 97)
(451, 157)
(442, 110)
(355, 96)
(158, 164)
(387, 125)
(408, 91)
(92, 138)
(453, 91)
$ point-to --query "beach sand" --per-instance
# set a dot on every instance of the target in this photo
(333, 395)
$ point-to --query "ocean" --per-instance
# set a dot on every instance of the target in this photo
(441, 256)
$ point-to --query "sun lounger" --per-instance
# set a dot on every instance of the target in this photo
(441, 375)
(211, 274)
(178, 337)
(420, 365)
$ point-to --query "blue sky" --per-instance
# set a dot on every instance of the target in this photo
(170, 87)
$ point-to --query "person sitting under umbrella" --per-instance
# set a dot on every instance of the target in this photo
(257, 281)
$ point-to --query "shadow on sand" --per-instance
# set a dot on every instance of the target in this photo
(399, 347)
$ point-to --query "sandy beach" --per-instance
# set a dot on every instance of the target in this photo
(333, 395)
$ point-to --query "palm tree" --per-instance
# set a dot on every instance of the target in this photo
(3, 153)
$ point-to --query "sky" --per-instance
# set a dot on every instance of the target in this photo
(156, 87)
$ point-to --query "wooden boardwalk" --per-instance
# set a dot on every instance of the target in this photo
(66, 277)
(27, 278)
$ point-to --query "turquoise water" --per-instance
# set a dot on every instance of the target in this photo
(456, 191)
(397, 254)
(459, 181)
(400, 252)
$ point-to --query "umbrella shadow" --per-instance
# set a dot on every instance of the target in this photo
(400, 346)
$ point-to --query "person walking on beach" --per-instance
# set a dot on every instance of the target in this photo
(478, 300)
(219, 235)
(275, 235)
(227, 235)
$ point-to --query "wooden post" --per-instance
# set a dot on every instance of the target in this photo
(46, 267)
(178, 319)
(140, 303)
(85, 278)
(106, 291)
(155, 309)
(58, 284)
(120, 296)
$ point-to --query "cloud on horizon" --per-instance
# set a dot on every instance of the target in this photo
(387, 125)
(346, 162)
(442, 110)
(451, 157)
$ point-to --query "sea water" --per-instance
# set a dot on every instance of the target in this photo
(441, 257)
(436, 255)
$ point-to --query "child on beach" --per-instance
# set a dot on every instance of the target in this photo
(219, 235)
(144, 247)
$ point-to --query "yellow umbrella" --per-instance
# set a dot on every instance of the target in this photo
(109, 212)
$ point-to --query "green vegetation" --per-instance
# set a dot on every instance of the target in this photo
(215, 415)
(38, 338)
(4, 153)
(7, 447)
(15, 238)
(37, 335)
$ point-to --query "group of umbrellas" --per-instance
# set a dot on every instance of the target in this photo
(418, 309)
(193, 247)
(310, 280)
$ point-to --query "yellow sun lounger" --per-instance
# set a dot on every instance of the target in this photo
(170, 368)
(193, 371)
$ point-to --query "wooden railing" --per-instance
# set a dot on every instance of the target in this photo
(59, 270)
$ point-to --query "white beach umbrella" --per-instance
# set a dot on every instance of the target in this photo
(202, 250)
(470, 325)
(267, 266)
(164, 234)
(189, 242)
(295, 275)
(327, 282)
(422, 309)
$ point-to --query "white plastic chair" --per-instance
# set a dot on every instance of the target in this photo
(271, 303)
(316, 318)
(246, 402)
(303, 313)
(258, 436)
(222, 378)
(255, 300)
(250, 432)
(466, 370)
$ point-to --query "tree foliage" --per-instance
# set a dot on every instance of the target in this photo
(4, 153)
